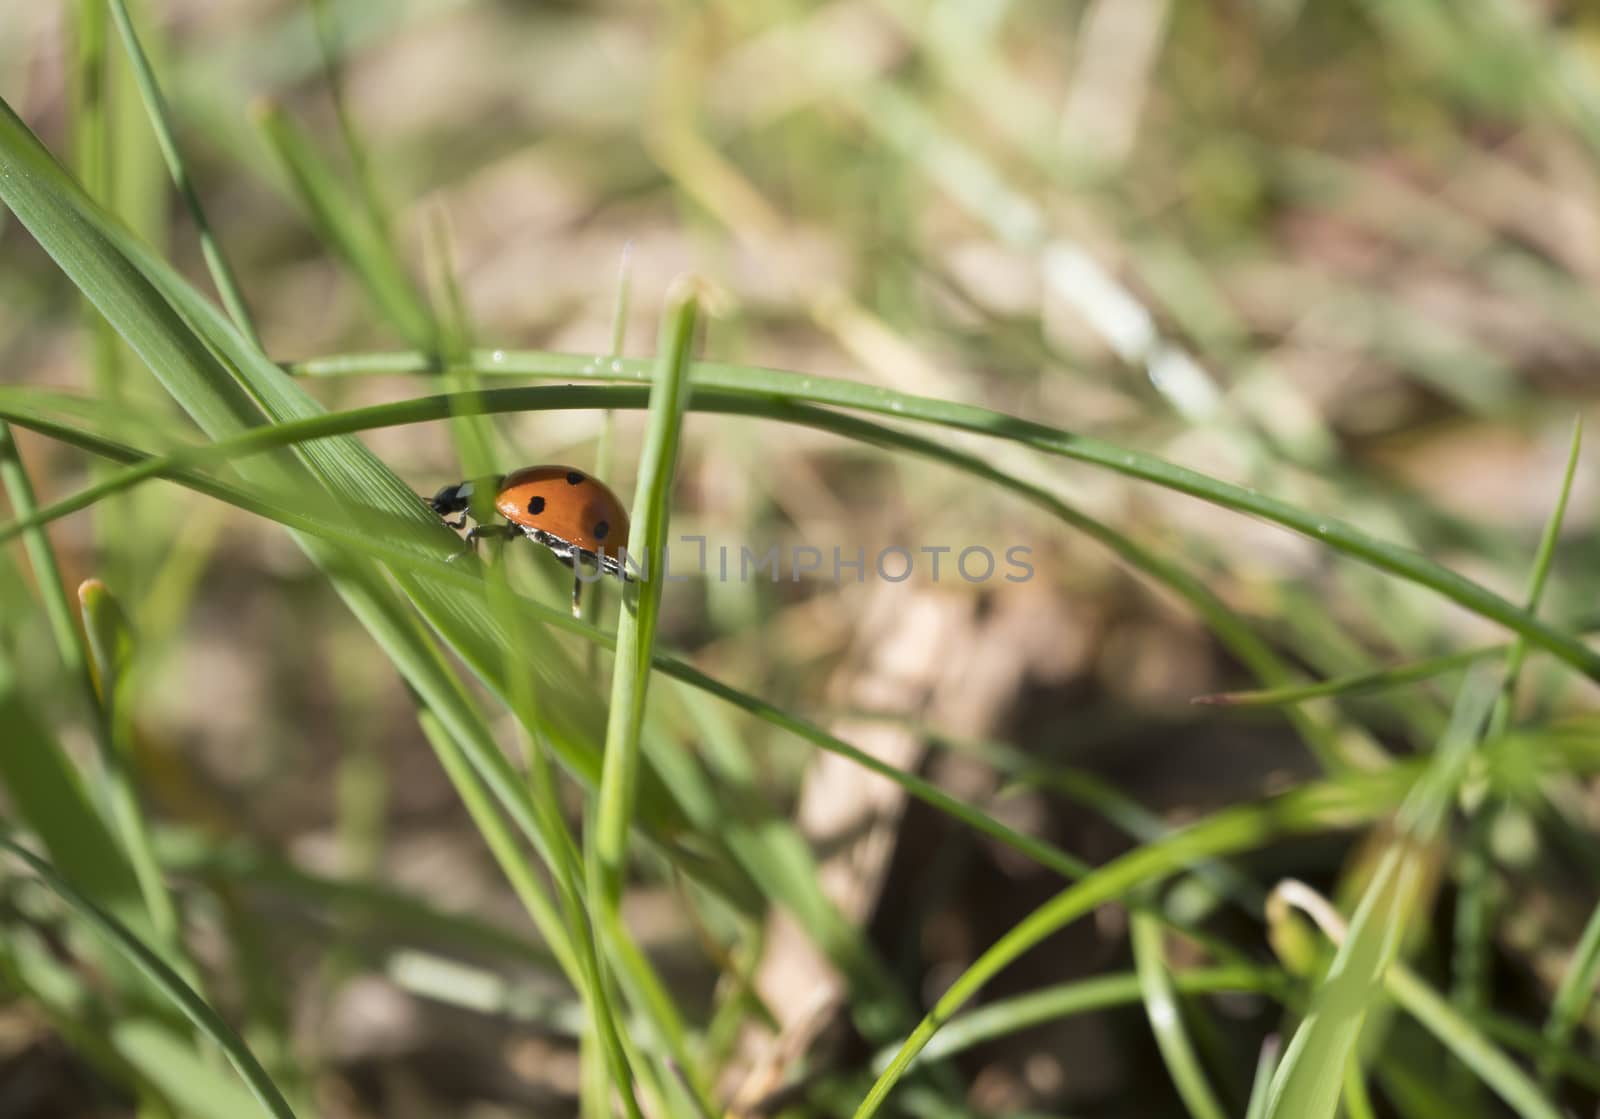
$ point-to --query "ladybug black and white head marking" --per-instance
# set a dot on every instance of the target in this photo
(452, 498)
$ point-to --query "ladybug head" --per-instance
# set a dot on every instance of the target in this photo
(452, 499)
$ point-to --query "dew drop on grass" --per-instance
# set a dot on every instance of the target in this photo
(616, 366)
(498, 357)
(1322, 530)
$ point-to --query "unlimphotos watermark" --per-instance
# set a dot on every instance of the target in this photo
(896, 564)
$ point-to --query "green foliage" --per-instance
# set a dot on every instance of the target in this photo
(591, 758)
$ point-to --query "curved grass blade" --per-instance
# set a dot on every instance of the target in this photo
(1223, 621)
(770, 384)
(1007, 1016)
(206, 365)
(1166, 1019)
(443, 572)
(160, 121)
(1435, 1014)
(192, 1006)
(1309, 1082)
(1045, 854)
(1226, 832)
(1356, 683)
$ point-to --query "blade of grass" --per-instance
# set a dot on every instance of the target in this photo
(93, 161)
(1435, 1014)
(182, 997)
(204, 374)
(161, 121)
(443, 572)
(1166, 1019)
(110, 643)
(47, 796)
(132, 287)
(343, 223)
(564, 861)
(635, 646)
(1357, 683)
(1574, 996)
(59, 811)
(636, 627)
(1229, 628)
(323, 17)
(1308, 1083)
(1474, 902)
(1007, 1016)
(1226, 832)
(1266, 1064)
(474, 437)
(193, 1085)
(771, 384)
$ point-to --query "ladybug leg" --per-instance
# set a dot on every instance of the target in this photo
(480, 532)
(459, 523)
(577, 591)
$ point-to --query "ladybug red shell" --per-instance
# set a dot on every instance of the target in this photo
(570, 512)
(567, 511)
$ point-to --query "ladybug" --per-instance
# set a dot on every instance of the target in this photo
(573, 514)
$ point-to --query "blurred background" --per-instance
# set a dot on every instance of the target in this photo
(1344, 252)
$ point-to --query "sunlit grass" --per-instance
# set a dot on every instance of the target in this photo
(584, 775)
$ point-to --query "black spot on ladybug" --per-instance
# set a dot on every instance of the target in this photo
(573, 477)
(600, 530)
(536, 505)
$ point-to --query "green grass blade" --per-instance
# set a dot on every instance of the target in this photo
(110, 642)
(209, 365)
(192, 1006)
(345, 224)
(1356, 683)
(59, 811)
(1261, 1087)
(641, 609)
(1470, 962)
(1226, 832)
(161, 121)
(1433, 1012)
(1007, 1016)
(635, 647)
(194, 1085)
(47, 572)
(1574, 995)
(123, 278)
(1229, 628)
(1166, 1019)
(1308, 1083)
(48, 796)
(1468, 1045)
(770, 384)
(242, 865)
(442, 572)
